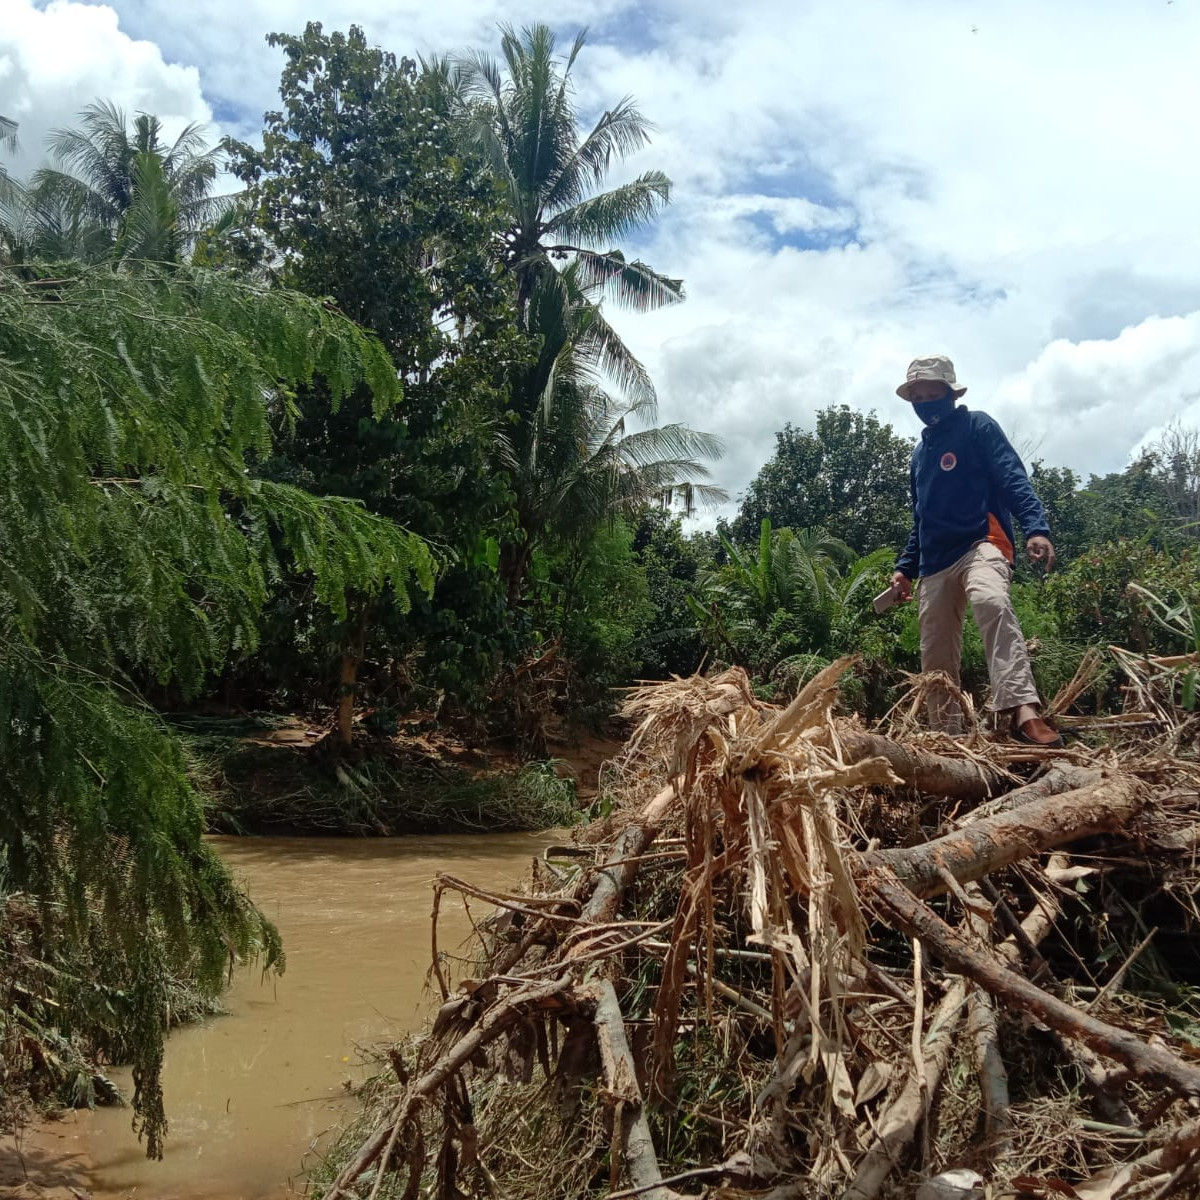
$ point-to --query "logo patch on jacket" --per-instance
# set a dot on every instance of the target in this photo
(949, 461)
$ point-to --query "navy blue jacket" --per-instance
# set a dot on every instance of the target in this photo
(967, 484)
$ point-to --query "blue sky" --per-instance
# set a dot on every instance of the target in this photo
(857, 182)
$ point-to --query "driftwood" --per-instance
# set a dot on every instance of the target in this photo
(933, 774)
(611, 881)
(807, 950)
(631, 1132)
(1150, 1063)
(899, 1124)
(494, 1022)
(987, 845)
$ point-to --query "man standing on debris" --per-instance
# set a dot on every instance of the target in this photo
(967, 481)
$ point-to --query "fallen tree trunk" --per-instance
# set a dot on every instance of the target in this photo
(612, 881)
(984, 846)
(613, 877)
(631, 1131)
(964, 779)
(894, 904)
(1061, 777)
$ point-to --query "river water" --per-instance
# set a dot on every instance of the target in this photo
(252, 1094)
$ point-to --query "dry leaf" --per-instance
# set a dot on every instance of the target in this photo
(873, 1081)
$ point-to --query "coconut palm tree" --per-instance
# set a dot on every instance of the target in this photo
(580, 452)
(117, 191)
(8, 141)
(525, 123)
(572, 452)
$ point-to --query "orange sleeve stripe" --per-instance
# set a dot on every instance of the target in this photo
(999, 538)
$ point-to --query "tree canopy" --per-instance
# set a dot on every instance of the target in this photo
(849, 473)
(137, 546)
(116, 191)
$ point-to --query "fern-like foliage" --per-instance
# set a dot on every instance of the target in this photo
(135, 544)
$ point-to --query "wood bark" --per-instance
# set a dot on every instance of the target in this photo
(1061, 777)
(934, 774)
(984, 846)
(993, 1077)
(620, 1077)
(347, 683)
(612, 881)
(897, 906)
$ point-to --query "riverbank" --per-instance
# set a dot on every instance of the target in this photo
(281, 777)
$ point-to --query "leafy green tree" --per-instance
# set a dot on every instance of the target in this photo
(363, 193)
(592, 593)
(137, 545)
(670, 643)
(121, 192)
(1130, 504)
(571, 449)
(1072, 512)
(850, 474)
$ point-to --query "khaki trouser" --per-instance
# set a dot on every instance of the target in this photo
(981, 576)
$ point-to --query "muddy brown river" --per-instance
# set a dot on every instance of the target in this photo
(252, 1096)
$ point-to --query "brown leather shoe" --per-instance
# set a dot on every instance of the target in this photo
(1036, 732)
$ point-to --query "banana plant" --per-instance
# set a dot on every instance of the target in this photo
(1181, 620)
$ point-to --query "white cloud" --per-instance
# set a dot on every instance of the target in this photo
(856, 184)
(1111, 395)
(56, 59)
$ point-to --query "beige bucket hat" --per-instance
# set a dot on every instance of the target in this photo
(937, 368)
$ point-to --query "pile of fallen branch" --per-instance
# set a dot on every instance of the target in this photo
(801, 959)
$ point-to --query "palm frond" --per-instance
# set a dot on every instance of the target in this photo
(633, 283)
(620, 132)
(150, 226)
(615, 214)
(599, 345)
(673, 445)
(98, 154)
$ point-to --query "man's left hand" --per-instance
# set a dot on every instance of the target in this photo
(1041, 551)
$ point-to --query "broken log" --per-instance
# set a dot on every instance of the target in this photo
(985, 1034)
(631, 1130)
(935, 774)
(613, 876)
(984, 846)
(897, 906)
(1061, 777)
(494, 1022)
(611, 881)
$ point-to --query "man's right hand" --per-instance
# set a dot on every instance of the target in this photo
(902, 584)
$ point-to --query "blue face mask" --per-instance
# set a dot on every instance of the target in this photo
(930, 412)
